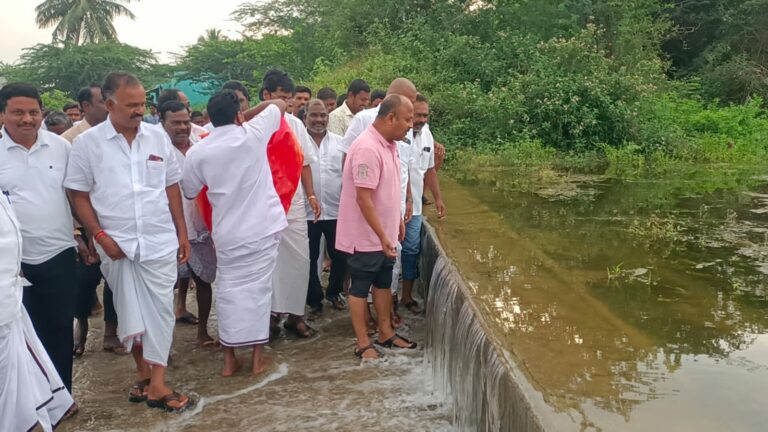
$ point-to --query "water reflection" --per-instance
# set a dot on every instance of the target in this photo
(613, 299)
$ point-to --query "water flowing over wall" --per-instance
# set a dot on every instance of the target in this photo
(470, 369)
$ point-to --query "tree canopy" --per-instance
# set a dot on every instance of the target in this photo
(81, 21)
(69, 67)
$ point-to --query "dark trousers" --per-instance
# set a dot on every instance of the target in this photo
(317, 229)
(50, 302)
(88, 279)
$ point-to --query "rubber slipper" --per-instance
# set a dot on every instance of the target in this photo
(162, 403)
(78, 350)
(359, 352)
(390, 343)
(138, 392)
(187, 318)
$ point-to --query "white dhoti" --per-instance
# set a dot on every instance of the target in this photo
(143, 298)
(291, 280)
(244, 292)
(31, 391)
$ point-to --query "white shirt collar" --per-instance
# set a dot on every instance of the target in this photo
(110, 131)
(9, 142)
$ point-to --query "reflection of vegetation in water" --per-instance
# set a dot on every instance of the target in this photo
(683, 261)
(656, 229)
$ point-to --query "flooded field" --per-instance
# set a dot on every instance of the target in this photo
(630, 306)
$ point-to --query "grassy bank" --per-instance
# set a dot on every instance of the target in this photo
(680, 135)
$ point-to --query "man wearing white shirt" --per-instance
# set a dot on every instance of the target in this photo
(173, 94)
(33, 163)
(32, 396)
(358, 97)
(123, 181)
(291, 278)
(201, 266)
(326, 177)
(247, 219)
(422, 171)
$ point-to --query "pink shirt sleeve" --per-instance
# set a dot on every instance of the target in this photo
(366, 168)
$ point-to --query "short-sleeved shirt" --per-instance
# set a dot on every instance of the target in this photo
(197, 231)
(422, 159)
(127, 186)
(372, 163)
(326, 177)
(73, 132)
(339, 119)
(232, 162)
(360, 123)
(34, 181)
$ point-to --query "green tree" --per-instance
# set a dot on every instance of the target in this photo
(69, 67)
(55, 99)
(211, 35)
(81, 21)
(212, 62)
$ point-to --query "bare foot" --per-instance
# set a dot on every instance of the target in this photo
(260, 366)
(112, 344)
(207, 342)
(230, 368)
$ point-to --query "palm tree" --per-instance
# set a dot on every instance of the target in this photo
(211, 35)
(81, 21)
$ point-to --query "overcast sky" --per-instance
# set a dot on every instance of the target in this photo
(164, 26)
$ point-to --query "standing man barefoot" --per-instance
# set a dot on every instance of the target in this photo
(123, 181)
(247, 219)
(370, 222)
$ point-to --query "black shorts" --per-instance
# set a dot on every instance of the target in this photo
(369, 269)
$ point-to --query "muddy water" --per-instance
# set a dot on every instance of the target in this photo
(630, 306)
(312, 385)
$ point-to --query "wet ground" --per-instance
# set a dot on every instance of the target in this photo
(313, 385)
(631, 306)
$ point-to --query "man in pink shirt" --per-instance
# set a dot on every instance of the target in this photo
(369, 224)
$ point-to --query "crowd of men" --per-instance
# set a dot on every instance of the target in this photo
(105, 190)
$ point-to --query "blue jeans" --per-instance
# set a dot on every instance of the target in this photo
(411, 249)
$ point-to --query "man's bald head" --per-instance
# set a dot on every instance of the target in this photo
(403, 87)
(395, 117)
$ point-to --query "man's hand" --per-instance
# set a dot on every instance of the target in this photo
(408, 211)
(184, 250)
(401, 231)
(440, 207)
(111, 248)
(315, 204)
(83, 252)
(439, 155)
(389, 248)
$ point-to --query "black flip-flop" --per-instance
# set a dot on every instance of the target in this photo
(359, 352)
(294, 328)
(187, 318)
(390, 343)
(78, 350)
(162, 403)
(140, 385)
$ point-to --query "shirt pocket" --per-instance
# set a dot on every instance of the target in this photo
(155, 174)
(425, 155)
(54, 173)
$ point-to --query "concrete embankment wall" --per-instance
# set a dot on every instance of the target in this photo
(487, 391)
